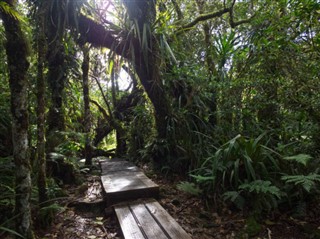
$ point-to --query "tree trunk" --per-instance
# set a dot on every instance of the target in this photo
(120, 132)
(56, 66)
(148, 73)
(212, 71)
(86, 101)
(147, 65)
(145, 61)
(41, 90)
(17, 51)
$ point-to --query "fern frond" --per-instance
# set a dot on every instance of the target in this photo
(189, 188)
(234, 197)
(261, 186)
(299, 158)
(306, 181)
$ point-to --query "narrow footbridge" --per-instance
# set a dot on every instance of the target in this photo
(133, 197)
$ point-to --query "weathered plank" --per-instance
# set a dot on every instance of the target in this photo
(129, 226)
(122, 180)
(164, 218)
(149, 225)
(120, 186)
(150, 218)
(109, 166)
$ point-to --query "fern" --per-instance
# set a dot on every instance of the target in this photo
(299, 158)
(234, 197)
(48, 213)
(189, 188)
(306, 181)
(261, 186)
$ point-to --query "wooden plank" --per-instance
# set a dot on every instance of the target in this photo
(163, 217)
(125, 185)
(109, 166)
(126, 181)
(130, 228)
(148, 224)
(151, 218)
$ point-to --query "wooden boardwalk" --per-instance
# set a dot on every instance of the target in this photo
(140, 216)
(122, 181)
(146, 218)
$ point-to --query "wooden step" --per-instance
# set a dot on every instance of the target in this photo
(121, 181)
(147, 219)
(111, 165)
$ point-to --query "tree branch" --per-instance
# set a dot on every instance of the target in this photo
(207, 16)
(119, 42)
(177, 9)
(102, 110)
(202, 17)
(234, 24)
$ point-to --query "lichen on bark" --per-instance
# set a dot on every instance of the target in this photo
(17, 52)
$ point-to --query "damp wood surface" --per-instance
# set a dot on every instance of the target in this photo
(147, 219)
(121, 180)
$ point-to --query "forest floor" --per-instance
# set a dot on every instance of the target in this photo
(83, 216)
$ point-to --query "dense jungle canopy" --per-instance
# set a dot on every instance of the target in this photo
(223, 93)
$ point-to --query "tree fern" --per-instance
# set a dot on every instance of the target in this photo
(306, 181)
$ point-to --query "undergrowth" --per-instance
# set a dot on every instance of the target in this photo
(255, 178)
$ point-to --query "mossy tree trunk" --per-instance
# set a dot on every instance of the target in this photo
(121, 149)
(41, 104)
(145, 60)
(147, 64)
(55, 24)
(17, 52)
(86, 102)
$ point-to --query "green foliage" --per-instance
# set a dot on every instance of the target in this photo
(300, 158)
(235, 162)
(5, 117)
(48, 213)
(71, 145)
(242, 168)
(53, 189)
(236, 198)
(140, 132)
(252, 227)
(7, 191)
(5, 229)
(190, 188)
(7, 9)
(263, 77)
(307, 182)
(260, 195)
(261, 187)
(248, 173)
